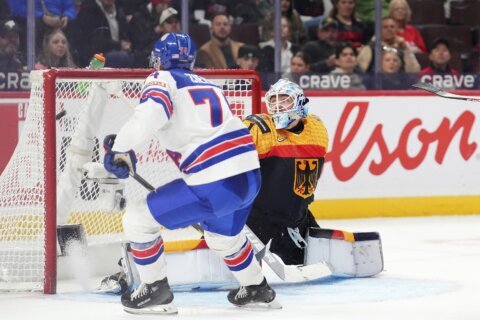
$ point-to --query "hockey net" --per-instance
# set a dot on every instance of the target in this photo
(44, 183)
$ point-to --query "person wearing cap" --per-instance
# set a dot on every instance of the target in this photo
(10, 58)
(221, 52)
(439, 56)
(144, 29)
(322, 50)
(168, 21)
(248, 57)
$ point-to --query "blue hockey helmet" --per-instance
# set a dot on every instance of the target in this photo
(173, 50)
(286, 102)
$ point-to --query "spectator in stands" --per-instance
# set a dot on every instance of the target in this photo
(392, 76)
(102, 27)
(439, 56)
(311, 12)
(205, 10)
(10, 57)
(346, 61)
(268, 50)
(169, 21)
(298, 34)
(349, 27)
(322, 50)
(400, 11)
(266, 6)
(49, 15)
(144, 29)
(220, 52)
(247, 11)
(391, 40)
(365, 10)
(55, 51)
(299, 65)
(309, 8)
(248, 57)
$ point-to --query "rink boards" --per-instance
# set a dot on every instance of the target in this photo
(390, 153)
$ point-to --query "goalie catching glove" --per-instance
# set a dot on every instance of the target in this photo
(118, 163)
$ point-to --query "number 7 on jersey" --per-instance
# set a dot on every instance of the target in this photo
(207, 96)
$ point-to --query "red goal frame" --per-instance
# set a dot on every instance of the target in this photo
(50, 157)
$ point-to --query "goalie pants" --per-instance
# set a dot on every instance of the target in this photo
(266, 226)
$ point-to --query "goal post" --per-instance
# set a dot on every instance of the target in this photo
(43, 182)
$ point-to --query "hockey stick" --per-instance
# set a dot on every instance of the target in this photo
(286, 272)
(150, 188)
(439, 92)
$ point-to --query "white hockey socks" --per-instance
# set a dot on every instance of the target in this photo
(149, 259)
(238, 254)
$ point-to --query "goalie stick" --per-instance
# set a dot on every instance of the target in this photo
(439, 92)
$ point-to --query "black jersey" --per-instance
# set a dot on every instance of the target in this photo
(291, 164)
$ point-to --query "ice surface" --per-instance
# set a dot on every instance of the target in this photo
(432, 268)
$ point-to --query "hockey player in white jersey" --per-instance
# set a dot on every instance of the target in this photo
(219, 165)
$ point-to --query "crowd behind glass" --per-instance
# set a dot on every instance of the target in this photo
(325, 44)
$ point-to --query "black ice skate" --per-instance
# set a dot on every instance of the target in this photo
(254, 296)
(154, 298)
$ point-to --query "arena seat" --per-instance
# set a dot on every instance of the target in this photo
(459, 37)
(465, 12)
(246, 33)
(200, 34)
(427, 11)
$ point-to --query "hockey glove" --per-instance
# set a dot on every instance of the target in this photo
(118, 163)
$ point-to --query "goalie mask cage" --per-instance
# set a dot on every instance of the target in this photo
(43, 182)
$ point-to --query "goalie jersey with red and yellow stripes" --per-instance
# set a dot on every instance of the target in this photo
(291, 162)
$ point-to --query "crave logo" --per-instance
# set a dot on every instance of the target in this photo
(439, 139)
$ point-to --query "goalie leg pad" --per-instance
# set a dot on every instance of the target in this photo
(347, 254)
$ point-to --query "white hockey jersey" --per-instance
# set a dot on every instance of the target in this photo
(191, 118)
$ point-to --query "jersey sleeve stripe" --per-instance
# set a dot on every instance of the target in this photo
(159, 96)
(219, 149)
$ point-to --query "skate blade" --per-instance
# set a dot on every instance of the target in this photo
(159, 309)
(274, 304)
